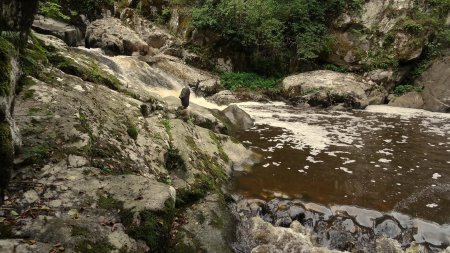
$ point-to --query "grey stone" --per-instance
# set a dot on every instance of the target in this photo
(114, 37)
(409, 100)
(31, 196)
(436, 83)
(238, 117)
(388, 228)
(326, 88)
(69, 34)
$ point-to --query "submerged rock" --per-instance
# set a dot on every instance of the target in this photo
(326, 88)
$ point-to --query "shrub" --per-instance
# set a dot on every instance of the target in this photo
(402, 89)
(52, 9)
(234, 81)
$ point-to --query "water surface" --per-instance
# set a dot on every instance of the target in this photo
(382, 158)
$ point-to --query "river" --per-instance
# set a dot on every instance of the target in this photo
(389, 160)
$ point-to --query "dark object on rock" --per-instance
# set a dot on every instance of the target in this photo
(184, 97)
(145, 110)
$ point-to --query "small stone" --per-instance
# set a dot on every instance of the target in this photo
(55, 203)
(77, 161)
(31, 196)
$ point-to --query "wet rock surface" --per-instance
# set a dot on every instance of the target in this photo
(267, 225)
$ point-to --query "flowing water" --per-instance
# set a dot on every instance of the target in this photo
(383, 158)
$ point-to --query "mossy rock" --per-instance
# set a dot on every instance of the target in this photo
(6, 52)
(154, 227)
(6, 156)
(89, 72)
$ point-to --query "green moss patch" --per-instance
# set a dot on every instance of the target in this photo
(6, 52)
(89, 72)
(94, 247)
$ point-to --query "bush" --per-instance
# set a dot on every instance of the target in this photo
(234, 81)
(52, 9)
(402, 89)
(273, 31)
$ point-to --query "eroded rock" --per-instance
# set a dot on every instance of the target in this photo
(326, 88)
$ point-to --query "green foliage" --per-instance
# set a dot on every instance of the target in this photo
(335, 68)
(166, 124)
(52, 9)
(412, 27)
(273, 31)
(234, 81)
(402, 89)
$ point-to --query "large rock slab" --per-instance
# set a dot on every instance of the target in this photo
(114, 37)
(70, 34)
(326, 88)
(408, 100)
(436, 83)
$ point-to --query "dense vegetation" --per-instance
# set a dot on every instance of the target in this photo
(272, 31)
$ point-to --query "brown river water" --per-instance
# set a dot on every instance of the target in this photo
(383, 158)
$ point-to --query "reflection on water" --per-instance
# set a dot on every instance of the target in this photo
(384, 158)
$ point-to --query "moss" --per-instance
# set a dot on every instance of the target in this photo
(6, 156)
(94, 247)
(222, 153)
(173, 160)
(79, 231)
(37, 154)
(154, 227)
(109, 203)
(132, 132)
(5, 231)
(198, 190)
(6, 52)
(88, 72)
(33, 57)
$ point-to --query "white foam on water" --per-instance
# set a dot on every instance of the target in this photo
(436, 176)
(383, 160)
(432, 205)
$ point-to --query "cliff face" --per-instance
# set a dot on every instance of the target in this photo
(15, 21)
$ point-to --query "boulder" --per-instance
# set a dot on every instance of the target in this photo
(436, 83)
(154, 36)
(358, 35)
(114, 37)
(327, 88)
(70, 34)
(224, 97)
(408, 100)
(238, 117)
